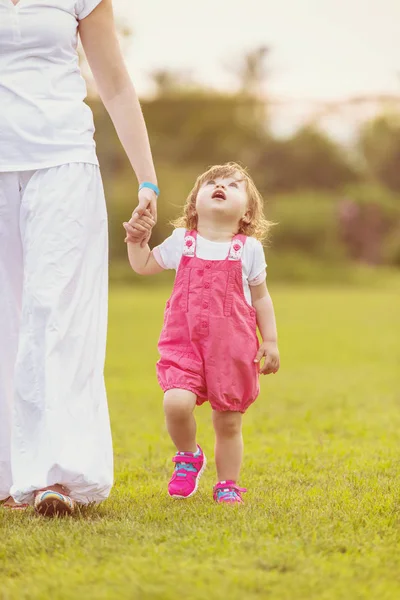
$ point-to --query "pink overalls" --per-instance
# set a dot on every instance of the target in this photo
(209, 339)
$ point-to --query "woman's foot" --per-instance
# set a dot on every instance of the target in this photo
(189, 468)
(10, 504)
(227, 492)
(54, 501)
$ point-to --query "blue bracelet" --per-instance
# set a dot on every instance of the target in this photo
(151, 186)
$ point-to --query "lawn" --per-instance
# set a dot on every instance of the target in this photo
(322, 514)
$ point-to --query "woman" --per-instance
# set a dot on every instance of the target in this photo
(55, 441)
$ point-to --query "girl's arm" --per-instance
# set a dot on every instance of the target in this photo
(266, 322)
(142, 260)
(100, 42)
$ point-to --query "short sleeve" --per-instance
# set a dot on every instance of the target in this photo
(169, 253)
(257, 271)
(85, 7)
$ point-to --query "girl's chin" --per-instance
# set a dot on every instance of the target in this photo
(219, 208)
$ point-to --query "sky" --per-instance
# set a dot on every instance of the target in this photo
(320, 49)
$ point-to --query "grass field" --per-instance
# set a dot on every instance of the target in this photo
(322, 515)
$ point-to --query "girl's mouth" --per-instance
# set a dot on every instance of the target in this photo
(219, 194)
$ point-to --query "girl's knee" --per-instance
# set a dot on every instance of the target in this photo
(179, 404)
(227, 423)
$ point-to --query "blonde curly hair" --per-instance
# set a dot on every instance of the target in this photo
(253, 224)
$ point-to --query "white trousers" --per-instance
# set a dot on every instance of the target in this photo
(54, 423)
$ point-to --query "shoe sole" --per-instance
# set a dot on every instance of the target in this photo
(197, 482)
(52, 506)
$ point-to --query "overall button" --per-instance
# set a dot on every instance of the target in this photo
(207, 286)
(204, 324)
(208, 266)
(205, 304)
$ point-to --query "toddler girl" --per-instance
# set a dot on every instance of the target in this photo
(208, 347)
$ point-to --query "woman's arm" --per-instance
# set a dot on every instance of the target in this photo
(100, 42)
(262, 302)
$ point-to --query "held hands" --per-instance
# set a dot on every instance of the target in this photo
(139, 228)
(145, 212)
(271, 353)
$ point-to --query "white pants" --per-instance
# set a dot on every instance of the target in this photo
(54, 423)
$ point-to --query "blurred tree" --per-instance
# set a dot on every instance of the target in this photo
(369, 216)
(379, 144)
(252, 72)
(169, 83)
(202, 127)
(307, 160)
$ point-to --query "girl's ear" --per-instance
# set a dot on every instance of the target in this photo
(246, 218)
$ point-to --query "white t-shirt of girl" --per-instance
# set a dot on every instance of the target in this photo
(44, 121)
(169, 254)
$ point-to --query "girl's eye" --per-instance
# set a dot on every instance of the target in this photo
(233, 184)
(211, 182)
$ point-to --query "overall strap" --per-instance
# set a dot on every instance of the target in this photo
(189, 250)
(237, 245)
(235, 255)
(189, 243)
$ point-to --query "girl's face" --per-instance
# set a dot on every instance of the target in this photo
(223, 199)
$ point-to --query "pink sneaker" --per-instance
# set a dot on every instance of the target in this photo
(188, 470)
(227, 492)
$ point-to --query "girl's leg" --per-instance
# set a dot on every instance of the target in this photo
(11, 270)
(61, 431)
(178, 408)
(228, 444)
(190, 461)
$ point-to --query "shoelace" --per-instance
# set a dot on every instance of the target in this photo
(227, 494)
(228, 491)
(186, 467)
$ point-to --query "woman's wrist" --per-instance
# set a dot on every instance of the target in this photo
(151, 186)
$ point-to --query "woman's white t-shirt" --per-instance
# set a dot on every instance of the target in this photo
(44, 121)
(169, 254)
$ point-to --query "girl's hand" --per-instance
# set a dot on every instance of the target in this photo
(271, 353)
(138, 229)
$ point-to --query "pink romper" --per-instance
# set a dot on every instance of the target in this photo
(209, 339)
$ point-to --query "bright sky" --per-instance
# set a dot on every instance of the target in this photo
(322, 49)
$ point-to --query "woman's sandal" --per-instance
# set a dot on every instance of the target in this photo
(49, 503)
(10, 504)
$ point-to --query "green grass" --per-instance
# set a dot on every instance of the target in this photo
(322, 515)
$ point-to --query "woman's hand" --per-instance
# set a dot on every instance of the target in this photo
(147, 206)
(147, 200)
